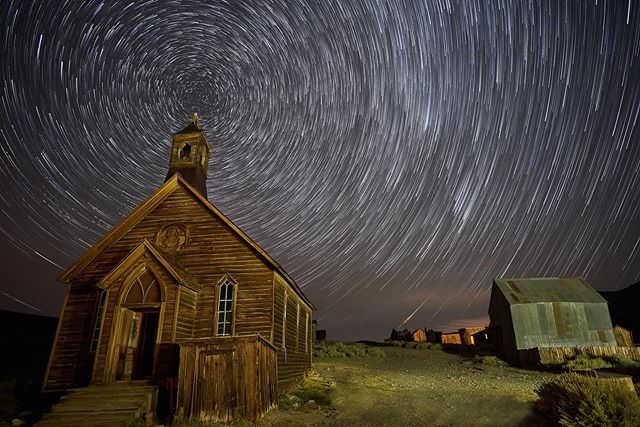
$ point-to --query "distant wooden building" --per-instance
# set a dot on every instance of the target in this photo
(483, 337)
(434, 337)
(403, 335)
(419, 335)
(451, 338)
(548, 312)
(624, 337)
(176, 293)
(473, 335)
(321, 334)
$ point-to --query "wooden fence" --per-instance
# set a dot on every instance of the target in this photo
(559, 355)
(224, 378)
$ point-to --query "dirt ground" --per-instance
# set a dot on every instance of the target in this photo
(415, 388)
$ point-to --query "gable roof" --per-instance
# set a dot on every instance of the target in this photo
(173, 267)
(153, 201)
(548, 289)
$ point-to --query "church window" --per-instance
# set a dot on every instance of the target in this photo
(225, 308)
(98, 322)
(203, 157)
(306, 333)
(284, 323)
(145, 290)
(185, 151)
(297, 327)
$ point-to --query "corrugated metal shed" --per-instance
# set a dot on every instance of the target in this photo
(549, 312)
(548, 289)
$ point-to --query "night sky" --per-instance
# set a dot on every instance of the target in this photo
(394, 156)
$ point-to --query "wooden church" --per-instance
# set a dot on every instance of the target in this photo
(176, 296)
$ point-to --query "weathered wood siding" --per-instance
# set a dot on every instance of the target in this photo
(451, 338)
(225, 378)
(211, 251)
(624, 337)
(71, 361)
(186, 314)
(559, 355)
(294, 358)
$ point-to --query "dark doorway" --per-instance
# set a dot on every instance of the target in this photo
(146, 346)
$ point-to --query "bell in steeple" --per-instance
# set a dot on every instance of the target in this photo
(190, 155)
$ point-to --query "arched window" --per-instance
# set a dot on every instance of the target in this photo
(145, 289)
(225, 308)
(185, 151)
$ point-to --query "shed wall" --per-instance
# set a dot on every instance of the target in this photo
(501, 322)
(561, 324)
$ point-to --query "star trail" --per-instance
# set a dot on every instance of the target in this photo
(393, 156)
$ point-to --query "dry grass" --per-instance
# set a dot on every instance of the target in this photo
(416, 388)
(577, 400)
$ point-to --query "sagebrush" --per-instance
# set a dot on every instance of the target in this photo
(577, 400)
(493, 361)
(584, 361)
(417, 345)
(336, 349)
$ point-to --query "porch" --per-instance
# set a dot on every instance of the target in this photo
(225, 378)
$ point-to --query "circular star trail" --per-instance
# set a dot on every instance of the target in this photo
(394, 157)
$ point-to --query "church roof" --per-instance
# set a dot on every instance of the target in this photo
(192, 126)
(173, 267)
(139, 213)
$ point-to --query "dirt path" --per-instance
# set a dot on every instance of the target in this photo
(417, 388)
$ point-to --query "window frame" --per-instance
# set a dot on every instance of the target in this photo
(97, 323)
(297, 327)
(284, 323)
(226, 280)
(306, 332)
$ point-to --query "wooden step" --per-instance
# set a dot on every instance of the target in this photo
(86, 422)
(102, 405)
(104, 396)
(106, 407)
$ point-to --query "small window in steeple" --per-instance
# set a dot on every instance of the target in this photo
(185, 152)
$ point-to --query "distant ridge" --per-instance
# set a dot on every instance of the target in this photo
(624, 307)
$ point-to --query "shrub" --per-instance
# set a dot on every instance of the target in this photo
(196, 423)
(623, 363)
(335, 350)
(493, 361)
(310, 392)
(416, 345)
(577, 400)
(583, 361)
(411, 344)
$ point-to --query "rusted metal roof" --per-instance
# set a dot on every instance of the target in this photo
(548, 289)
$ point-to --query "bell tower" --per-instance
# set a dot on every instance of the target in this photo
(190, 155)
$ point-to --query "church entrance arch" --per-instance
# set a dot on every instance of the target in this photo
(138, 313)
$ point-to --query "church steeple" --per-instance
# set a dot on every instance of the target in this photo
(190, 155)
